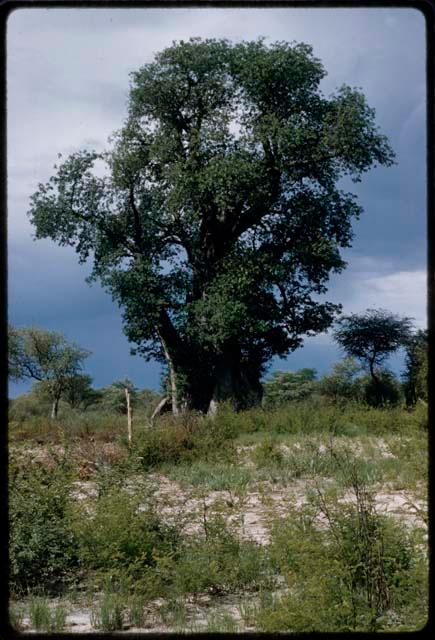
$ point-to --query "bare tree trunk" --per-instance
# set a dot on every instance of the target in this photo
(158, 410)
(54, 408)
(127, 397)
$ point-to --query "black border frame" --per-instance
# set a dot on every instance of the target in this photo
(427, 7)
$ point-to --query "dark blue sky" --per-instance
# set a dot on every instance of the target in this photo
(67, 89)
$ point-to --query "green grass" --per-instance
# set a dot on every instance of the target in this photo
(120, 543)
(109, 614)
(45, 618)
(213, 476)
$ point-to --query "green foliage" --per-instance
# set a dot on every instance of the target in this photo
(44, 356)
(220, 218)
(78, 392)
(222, 622)
(109, 614)
(384, 391)
(185, 439)
(371, 337)
(288, 386)
(348, 576)
(43, 549)
(173, 613)
(16, 616)
(216, 476)
(45, 618)
(268, 453)
(121, 538)
(231, 564)
(28, 406)
(342, 385)
(415, 376)
(114, 398)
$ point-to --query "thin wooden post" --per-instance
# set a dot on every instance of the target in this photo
(127, 396)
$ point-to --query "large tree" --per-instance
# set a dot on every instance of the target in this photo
(215, 218)
(44, 356)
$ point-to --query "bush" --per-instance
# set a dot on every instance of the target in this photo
(358, 573)
(184, 439)
(289, 386)
(385, 393)
(121, 538)
(220, 563)
(43, 549)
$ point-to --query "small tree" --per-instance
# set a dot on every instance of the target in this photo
(416, 362)
(44, 356)
(372, 337)
(288, 386)
(78, 392)
(113, 396)
(342, 383)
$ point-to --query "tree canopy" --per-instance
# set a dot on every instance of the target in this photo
(215, 219)
(45, 356)
(372, 337)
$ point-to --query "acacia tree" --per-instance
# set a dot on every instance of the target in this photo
(219, 214)
(372, 337)
(289, 386)
(44, 356)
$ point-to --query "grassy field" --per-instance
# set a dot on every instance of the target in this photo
(304, 518)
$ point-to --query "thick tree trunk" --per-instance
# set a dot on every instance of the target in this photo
(234, 383)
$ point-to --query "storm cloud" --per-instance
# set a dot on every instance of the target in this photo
(67, 89)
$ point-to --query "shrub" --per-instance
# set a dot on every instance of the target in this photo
(385, 393)
(213, 475)
(268, 453)
(231, 564)
(347, 575)
(289, 386)
(185, 439)
(120, 538)
(43, 548)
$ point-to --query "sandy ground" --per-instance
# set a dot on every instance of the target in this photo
(250, 514)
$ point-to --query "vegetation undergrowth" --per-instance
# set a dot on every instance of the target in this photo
(331, 564)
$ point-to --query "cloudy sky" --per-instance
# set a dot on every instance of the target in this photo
(67, 89)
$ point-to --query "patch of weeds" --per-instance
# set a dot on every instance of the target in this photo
(174, 613)
(214, 476)
(221, 622)
(220, 562)
(268, 453)
(136, 611)
(412, 453)
(109, 614)
(348, 574)
(248, 610)
(121, 538)
(45, 618)
(185, 439)
(16, 616)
